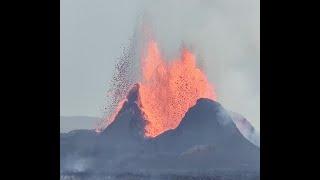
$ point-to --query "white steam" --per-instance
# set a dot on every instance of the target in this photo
(225, 34)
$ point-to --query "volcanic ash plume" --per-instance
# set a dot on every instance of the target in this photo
(168, 89)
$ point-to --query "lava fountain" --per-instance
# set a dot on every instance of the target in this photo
(169, 88)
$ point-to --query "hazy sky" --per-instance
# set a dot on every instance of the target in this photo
(225, 34)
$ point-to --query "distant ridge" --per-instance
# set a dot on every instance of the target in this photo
(69, 123)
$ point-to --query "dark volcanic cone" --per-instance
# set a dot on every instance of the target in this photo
(126, 133)
(207, 137)
(209, 126)
(129, 122)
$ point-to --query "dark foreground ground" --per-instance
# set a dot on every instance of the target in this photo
(163, 176)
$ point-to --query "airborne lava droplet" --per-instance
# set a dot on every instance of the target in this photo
(168, 89)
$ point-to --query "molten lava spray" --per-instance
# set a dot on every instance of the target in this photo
(169, 88)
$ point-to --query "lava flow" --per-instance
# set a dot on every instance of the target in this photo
(168, 89)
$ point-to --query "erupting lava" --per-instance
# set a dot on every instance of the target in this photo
(168, 89)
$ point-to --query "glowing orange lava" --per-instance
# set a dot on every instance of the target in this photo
(166, 91)
(106, 122)
(169, 88)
